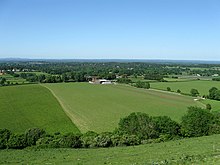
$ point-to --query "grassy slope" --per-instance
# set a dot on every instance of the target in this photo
(28, 106)
(203, 150)
(202, 86)
(99, 107)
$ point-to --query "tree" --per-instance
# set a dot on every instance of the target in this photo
(2, 81)
(141, 84)
(208, 107)
(178, 91)
(139, 124)
(168, 89)
(212, 92)
(197, 122)
(32, 135)
(4, 136)
(194, 92)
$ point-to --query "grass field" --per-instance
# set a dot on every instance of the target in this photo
(12, 79)
(100, 107)
(203, 150)
(28, 106)
(185, 87)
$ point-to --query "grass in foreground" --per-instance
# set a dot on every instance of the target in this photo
(202, 150)
(28, 106)
(100, 107)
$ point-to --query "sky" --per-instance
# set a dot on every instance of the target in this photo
(110, 29)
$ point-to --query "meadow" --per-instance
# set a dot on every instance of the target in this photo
(202, 86)
(14, 80)
(29, 106)
(202, 150)
(100, 107)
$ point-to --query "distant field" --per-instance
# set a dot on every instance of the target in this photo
(28, 106)
(185, 87)
(202, 150)
(12, 79)
(99, 107)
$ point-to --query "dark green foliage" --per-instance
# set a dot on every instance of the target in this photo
(124, 80)
(214, 93)
(139, 124)
(103, 139)
(70, 141)
(166, 126)
(153, 76)
(208, 107)
(88, 139)
(141, 84)
(168, 89)
(178, 91)
(16, 141)
(194, 92)
(4, 136)
(216, 79)
(32, 135)
(197, 122)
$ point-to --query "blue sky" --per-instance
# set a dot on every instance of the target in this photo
(130, 29)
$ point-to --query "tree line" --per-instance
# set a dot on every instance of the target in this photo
(134, 129)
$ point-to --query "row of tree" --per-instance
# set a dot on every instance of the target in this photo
(134, 129)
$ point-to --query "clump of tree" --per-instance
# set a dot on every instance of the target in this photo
(168, 89)
(214, 93)
(124, 80)
(134, 129)
(200, 122)
(142, 84)
(194, 92)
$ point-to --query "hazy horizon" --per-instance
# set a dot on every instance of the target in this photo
(116, 29)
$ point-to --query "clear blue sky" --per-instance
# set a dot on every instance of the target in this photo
(144, 29)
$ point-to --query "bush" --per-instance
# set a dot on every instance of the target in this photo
(125, 140)
(70, 141)
(166, 126)
(88, 139)
(139, 124)
(140, 84)
(16, 141)
(4, 136)
(197, 122)
(194, 92)
(33, 134)
(103, 139)
(168, 89)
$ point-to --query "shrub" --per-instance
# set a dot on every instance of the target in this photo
(166, 126)
(139, 124)
(4, 136)
(194, 92)
(33, 134)
(88, 139)
(197, 122)
(16, 141)
(168, 89)
(70, 141)
(103, 139)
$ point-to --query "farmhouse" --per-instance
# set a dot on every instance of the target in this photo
(95, 80)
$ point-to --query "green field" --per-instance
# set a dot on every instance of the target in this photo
(100, 107)
(185, 87)
(28, 106)
(12, 79)
(202, 150)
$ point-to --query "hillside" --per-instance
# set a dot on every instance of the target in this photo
(100, 107)
(28, 106)
(202, 150)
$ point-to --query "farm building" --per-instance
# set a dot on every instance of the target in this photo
(95, 80)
